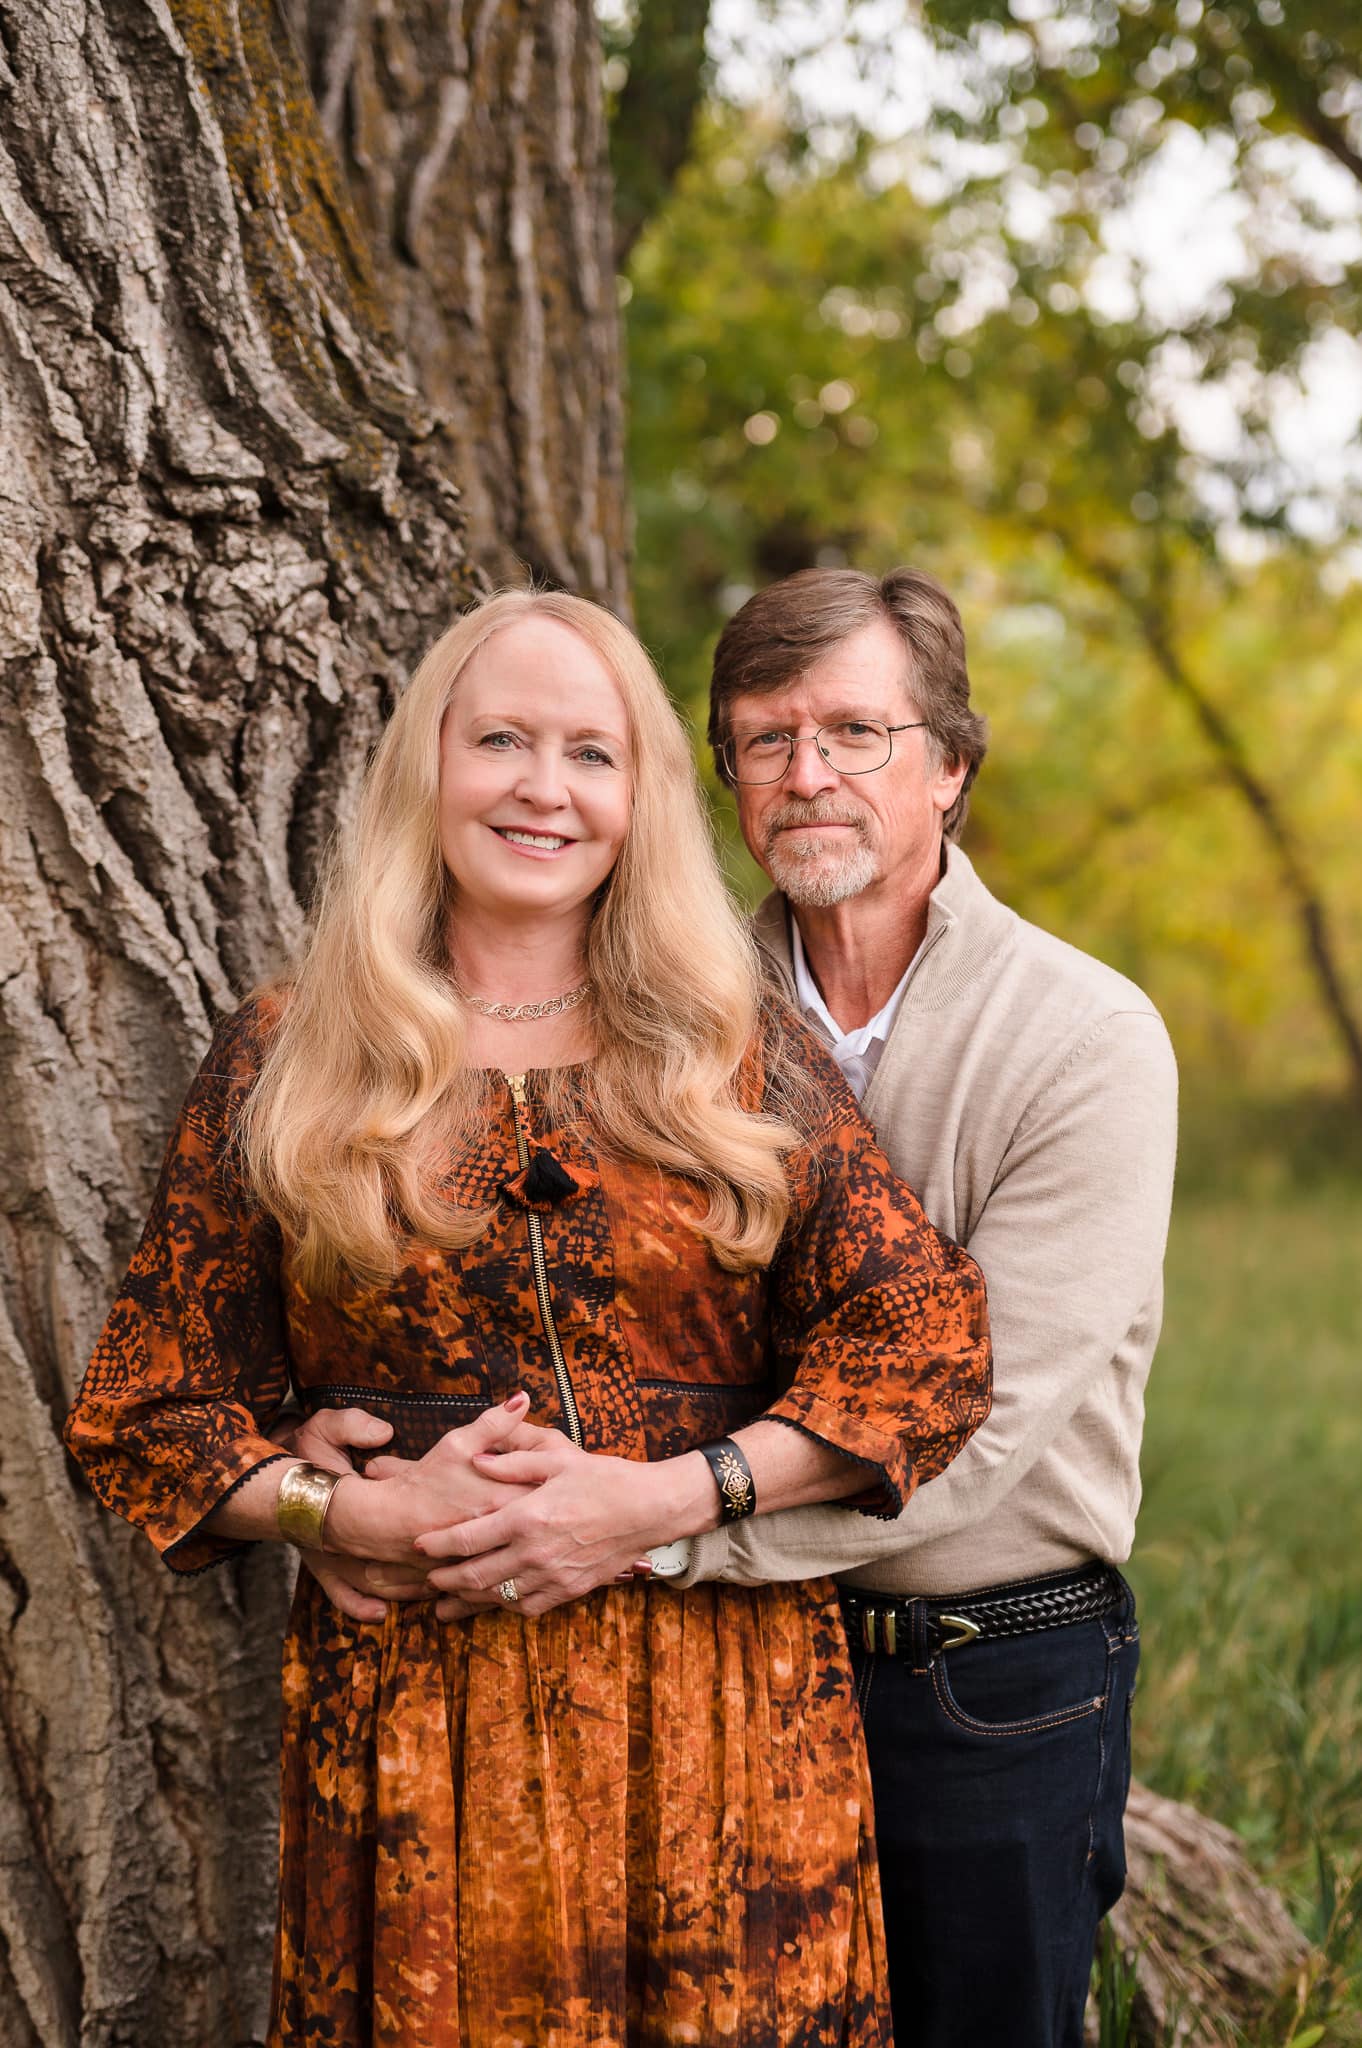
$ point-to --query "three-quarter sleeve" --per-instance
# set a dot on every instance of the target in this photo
(191, 1366)
(879, 1323)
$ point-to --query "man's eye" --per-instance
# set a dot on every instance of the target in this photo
(762, 742)
(855, 731)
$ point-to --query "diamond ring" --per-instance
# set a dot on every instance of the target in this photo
(509, 1591)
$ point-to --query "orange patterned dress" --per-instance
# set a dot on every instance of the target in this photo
(643, 1819)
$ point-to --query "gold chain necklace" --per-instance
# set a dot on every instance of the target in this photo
(525, 1013)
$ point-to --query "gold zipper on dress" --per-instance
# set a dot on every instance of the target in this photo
(516, 1084)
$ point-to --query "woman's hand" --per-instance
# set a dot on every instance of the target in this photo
(582, 1522)
(379, 1516)
(360, 1587)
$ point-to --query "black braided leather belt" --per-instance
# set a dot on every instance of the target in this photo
(895, 1627)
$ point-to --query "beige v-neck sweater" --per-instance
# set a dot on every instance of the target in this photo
(1029, 1094)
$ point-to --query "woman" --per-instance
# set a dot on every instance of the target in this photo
(516, 1127)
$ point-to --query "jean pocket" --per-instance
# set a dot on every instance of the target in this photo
(1024, 1684)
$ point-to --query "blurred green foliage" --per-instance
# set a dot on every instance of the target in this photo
(1081, 100)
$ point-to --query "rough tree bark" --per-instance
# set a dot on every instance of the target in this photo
(461, 135)
(228, 522)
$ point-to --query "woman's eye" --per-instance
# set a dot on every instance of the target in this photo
(596, 757)
(501, 741)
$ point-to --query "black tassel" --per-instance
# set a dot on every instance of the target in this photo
(546, 1180)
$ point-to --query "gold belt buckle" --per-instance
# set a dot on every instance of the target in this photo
(968, 1630)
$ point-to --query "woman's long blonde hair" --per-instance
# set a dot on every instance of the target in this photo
(364, 1095)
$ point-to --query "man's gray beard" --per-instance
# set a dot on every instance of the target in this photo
(810, 874)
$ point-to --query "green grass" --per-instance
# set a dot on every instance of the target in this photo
(1248, 1561)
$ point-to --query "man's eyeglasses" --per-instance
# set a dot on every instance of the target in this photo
(854, 746)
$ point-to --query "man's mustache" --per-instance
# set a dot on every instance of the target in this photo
(799, 810)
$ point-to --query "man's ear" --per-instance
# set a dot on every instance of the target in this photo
(947, 782)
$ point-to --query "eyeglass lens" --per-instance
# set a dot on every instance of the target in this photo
(854, 747)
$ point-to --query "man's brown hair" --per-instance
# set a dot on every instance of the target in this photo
(790, 625)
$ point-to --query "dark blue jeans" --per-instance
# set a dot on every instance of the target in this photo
(1000, 1774)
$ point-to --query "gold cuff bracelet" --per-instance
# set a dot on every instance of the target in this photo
(304, 1496)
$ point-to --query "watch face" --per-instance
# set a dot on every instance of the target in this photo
(669, 1560)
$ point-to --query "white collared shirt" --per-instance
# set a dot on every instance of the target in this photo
(856, 1052)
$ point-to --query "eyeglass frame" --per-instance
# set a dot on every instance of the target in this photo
(793, 740)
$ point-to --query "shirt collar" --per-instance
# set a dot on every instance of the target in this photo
(811, 1002)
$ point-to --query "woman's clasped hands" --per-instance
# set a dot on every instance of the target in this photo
(498, 1500)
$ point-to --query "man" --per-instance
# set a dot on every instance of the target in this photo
(1028, 1094)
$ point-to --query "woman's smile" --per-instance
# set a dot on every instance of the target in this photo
(538, 845)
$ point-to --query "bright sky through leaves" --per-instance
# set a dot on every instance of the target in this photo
(1186, 228)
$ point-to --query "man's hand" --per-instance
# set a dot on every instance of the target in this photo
(583, 1521)
(330, 1436)
(364, 1588)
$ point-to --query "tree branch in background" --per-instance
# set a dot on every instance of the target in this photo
(654, 120)
(1167, 793)
(1297, 94)
(1151, 620)
(1303, 64)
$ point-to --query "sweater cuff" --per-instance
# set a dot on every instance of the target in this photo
(708, 1557)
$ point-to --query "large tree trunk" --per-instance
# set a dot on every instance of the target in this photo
(228, 523)
(473, 148)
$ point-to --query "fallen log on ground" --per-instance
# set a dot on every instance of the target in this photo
(1213, 1948)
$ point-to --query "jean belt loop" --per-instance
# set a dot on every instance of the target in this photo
(919, 1645)
(1118, 1624)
